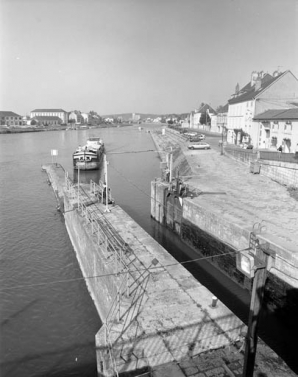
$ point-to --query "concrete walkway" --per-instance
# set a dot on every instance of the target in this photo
(249, 197)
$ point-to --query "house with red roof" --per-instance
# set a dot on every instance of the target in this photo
(279, 128)
(264, 92)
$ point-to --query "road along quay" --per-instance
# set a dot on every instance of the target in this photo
(158, 320)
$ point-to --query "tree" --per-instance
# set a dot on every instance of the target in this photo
(219, 109)
(205, 118)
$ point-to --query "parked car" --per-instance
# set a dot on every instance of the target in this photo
(248, 146)
(200, 145)
(190, 134)
(198, 137)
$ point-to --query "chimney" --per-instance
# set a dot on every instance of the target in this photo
(237, 89)
(258, 84)
(254, 77)
(261, 74)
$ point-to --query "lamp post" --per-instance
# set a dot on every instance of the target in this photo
(253, 266)
(78, 186)
(106, 182)
(222, 137)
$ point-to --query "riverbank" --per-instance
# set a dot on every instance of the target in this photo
(16, 130)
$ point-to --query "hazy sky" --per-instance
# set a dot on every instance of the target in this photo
(147, 56)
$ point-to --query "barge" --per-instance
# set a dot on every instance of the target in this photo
(89, 156)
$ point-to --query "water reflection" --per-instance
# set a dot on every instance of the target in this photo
(87, 175)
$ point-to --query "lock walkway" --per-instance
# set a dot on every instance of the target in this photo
(249, 198)
(159, 320)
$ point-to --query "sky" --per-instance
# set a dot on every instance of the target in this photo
(141, 56)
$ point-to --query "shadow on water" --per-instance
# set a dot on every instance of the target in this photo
(87, 175)
(282, 321)
(18, 313)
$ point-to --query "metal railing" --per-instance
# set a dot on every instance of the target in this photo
(278, 156)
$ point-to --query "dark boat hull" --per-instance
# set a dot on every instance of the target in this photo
(90, 165)
(88, 161)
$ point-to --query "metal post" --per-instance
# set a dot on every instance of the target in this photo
(222, 131)
(106, 181)
(171, 166)
(254, 312)
(78, 186)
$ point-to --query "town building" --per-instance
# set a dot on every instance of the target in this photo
(263, 92)
(135, 118)
(195, 117)
(86, 117)
(76, 117)
(46, 121)
(62, 114)
(278, 128)
(221, 120)
(9, 118)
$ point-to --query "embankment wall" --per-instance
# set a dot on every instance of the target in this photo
(180, 163)
(285, 173)
(103, 289)
(210, 234)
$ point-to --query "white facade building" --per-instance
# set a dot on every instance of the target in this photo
(63, 115)
(279, 128)
(263, 92)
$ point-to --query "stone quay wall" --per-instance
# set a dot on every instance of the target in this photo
(211, 234)
(91, 260)
(285, 173)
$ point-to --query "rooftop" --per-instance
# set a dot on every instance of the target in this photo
(249, 91)
(281, 114)
(8, 114)
(48, 111)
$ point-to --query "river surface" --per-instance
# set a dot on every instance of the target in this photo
(48, 325)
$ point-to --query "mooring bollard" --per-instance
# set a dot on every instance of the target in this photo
(214, 301)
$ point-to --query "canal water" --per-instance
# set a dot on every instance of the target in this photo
(48, 320)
